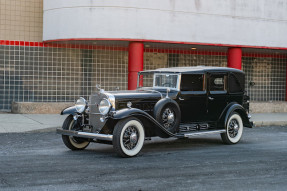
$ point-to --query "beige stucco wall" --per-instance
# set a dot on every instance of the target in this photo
(21, 20)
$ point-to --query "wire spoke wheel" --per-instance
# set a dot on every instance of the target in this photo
(130, 138)
(168, 118)
(167, 113)
(234, 129)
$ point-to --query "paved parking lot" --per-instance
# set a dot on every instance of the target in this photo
(40, 161)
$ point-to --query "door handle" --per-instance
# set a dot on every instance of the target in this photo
(181, 99)
(210, 98)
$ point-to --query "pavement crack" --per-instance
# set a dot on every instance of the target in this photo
(33, 119)
(4, 182)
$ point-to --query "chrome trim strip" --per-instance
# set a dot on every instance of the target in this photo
(96, 113)
(105, 137)
(204, 133)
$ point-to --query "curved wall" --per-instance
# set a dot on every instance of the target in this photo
(244, 22)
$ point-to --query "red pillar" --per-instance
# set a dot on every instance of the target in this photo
(136, 50)
(286, 84)
(234, 58)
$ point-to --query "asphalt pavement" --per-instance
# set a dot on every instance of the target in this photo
(18, 123)
(40, 161)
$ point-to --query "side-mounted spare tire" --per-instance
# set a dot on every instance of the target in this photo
(167, 113)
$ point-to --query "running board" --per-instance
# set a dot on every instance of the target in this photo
(203, 133)
(104, 137)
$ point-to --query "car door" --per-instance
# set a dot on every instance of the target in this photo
(193, 98)
(217, 95)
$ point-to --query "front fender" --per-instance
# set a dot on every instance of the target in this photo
(128, 112)
(234, 107)
(70, 110)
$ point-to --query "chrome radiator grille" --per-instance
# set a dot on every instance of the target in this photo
(94, 118)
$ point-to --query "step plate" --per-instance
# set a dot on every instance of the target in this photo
(203, 133)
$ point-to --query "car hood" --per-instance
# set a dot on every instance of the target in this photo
(141, 94)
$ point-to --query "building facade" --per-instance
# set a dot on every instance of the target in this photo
(58, 50)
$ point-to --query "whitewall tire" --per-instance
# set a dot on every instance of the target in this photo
(128, 137)
(234, 129)
(73, 143)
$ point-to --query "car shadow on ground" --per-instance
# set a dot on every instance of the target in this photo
(157, 145)
(175, 144)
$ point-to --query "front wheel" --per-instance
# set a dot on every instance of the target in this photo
(128, 137)
(234, 129)
(73, 143)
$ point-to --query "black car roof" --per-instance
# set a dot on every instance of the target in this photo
(193, 69)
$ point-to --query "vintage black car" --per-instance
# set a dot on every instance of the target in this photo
(176, 102)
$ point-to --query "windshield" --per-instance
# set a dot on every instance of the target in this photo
(158, 80)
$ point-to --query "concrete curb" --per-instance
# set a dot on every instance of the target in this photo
(270, 123)
(45, 130)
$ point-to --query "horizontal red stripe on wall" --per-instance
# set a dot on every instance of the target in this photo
(163, 41)
(117, 48)
(21, 43)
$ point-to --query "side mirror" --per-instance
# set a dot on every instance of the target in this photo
(251, 83)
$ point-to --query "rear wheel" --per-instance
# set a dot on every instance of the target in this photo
(73, 143)
(234, 129)
(128, 137)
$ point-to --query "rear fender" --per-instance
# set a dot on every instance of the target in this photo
(234, 107)
(150, 124)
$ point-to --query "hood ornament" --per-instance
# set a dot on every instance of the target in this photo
(167, 90)
(98, 86)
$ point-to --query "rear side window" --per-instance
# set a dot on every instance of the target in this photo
(192, 82)
(236, 83)
(217, 82)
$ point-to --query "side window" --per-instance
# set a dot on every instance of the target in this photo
(217, 82)
(192, 82)
(236, 83)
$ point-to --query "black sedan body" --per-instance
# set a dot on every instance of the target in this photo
(169, 102)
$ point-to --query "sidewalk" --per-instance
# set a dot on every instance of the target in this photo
(18, 123)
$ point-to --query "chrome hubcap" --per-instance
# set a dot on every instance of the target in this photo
(130, 137)
(233, 128)
(168, 118)
(133, 138)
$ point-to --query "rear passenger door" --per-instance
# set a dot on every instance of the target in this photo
(193, 98)
(217, 95)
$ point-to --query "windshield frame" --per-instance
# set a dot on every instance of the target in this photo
(160, 73)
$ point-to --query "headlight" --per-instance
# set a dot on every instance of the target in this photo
(104, 106)
(81, 105)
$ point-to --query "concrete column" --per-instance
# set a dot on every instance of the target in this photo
(234, 58)
(136, 50)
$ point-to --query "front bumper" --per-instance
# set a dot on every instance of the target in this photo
(104, 137)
